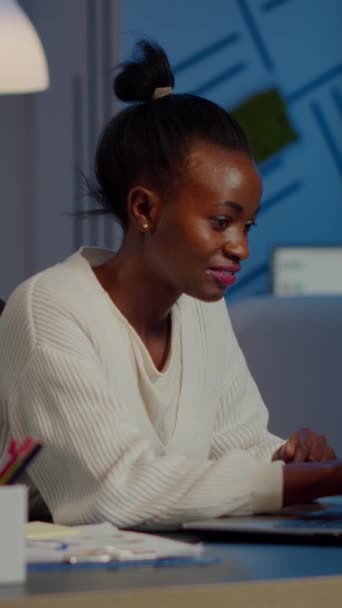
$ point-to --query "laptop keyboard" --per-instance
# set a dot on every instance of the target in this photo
(310, 524)
(329, 519)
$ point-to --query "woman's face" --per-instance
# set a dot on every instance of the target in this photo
(201, 233)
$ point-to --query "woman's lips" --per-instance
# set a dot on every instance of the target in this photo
(225, 278)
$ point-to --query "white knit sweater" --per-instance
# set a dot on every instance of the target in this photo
(123, 441)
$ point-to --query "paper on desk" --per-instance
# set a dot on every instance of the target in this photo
(40, 530)
(105, 543)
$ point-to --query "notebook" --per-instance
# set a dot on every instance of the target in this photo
(317, 522)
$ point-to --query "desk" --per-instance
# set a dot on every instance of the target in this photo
(253, 575)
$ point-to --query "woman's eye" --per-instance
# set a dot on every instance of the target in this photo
(221, 222)
(249, 225)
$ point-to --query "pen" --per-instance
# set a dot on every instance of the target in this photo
(47, 544)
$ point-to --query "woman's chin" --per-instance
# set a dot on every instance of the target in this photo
(209, 295)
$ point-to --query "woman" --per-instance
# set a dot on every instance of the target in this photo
(126, 365)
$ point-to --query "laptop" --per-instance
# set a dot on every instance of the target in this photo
(315, 522)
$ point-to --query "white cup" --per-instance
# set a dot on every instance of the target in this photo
(13, 517)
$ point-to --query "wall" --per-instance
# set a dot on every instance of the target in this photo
(16, 190)
(227, 50)
(80, 42)
(47, 138)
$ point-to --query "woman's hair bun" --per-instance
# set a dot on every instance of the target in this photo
(140, 77)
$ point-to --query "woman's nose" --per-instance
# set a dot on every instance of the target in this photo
(237, 245)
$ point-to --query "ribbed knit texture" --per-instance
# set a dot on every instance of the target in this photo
(123, 441)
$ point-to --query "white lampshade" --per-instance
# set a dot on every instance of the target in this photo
(23, 65)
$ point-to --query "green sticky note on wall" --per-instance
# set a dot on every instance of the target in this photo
(266, 123)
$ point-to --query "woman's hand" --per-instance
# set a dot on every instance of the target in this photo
(305, 446)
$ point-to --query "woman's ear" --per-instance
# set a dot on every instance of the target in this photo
(143, 208)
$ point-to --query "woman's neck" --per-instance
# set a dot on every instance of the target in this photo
(141, 297)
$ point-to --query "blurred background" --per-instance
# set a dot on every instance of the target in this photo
(276, 63)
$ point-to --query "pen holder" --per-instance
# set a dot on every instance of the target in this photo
(13, 517)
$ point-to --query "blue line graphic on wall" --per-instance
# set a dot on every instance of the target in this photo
(234, 70)
(251, 276)
(255, 34)
(337, 97)
(327, 135)
(206, 52)
(269, 166)
(270, 5)
(314, 84)
(279, 196)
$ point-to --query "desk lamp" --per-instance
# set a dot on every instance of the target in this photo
(23, 66)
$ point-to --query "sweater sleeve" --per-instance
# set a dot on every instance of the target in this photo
(242, 417)
(97, 465)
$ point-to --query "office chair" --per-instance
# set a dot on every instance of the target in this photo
(293, 346)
